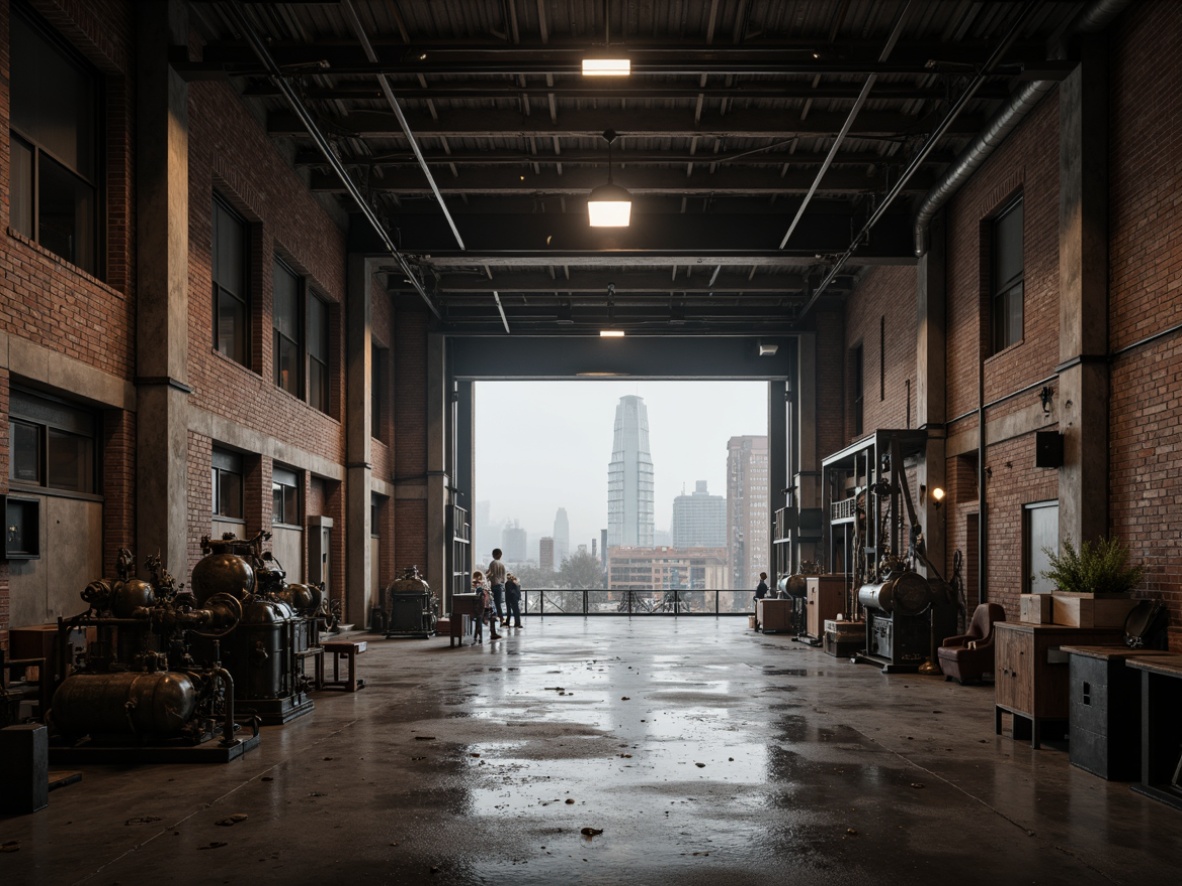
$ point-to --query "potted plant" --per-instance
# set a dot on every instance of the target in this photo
(1100, 568)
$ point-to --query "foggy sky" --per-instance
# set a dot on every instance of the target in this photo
(542, 445)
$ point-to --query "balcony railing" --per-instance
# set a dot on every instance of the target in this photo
(563, 601)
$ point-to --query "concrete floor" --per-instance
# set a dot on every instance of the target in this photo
(704, 752)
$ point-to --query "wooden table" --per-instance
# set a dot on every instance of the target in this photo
(1161, 727)
(463, 605)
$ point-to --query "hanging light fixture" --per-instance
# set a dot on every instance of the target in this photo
(609, 206)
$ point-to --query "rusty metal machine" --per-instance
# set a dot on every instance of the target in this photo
(139, 692)
(280, 626)
(411, 607)
(904, 612)
(794, 587)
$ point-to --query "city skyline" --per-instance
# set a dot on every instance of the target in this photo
(541, 446)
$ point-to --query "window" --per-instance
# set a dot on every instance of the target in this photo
(52, 444)
(231, 294)
(377, 374)
(227, 484)
(289, 348)
(285, 490)
(1006, 280)
(857, 388)
(54, 146)
(317, 352)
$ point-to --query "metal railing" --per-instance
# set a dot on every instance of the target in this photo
(564, 601)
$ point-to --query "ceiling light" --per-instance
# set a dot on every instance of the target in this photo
(607, 67)
(609, 205)
(611, 333)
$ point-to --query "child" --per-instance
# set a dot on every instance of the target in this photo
(479, 586)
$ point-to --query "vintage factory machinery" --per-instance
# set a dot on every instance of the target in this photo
(280, 626)
(411, 607)
(140, 692)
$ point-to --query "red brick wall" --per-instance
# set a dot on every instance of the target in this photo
(830, 383)
(410, 428)
(1145, 275)
(881, 315)
(1027, 163)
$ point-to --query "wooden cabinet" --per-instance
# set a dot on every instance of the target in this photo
(773, 616)
(1031, 671)
(824, 599)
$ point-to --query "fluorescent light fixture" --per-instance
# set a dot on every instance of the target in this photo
(611, 333)
(609, 206)
(768, 350)
(607, 67)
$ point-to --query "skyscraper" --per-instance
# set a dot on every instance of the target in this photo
(561, 537)
(546, 554)
(630, 478)
(699, 520)
(513, 541)
(748, 520)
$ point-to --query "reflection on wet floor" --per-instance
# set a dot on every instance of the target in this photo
(692, 751)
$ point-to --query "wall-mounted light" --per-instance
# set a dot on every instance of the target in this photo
(609, 205)
(766, 350)
(607, 67)
(937, 496)
(611, 333)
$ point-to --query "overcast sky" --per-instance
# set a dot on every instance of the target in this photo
(545, 445)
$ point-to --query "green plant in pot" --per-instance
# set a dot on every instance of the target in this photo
(1101, 568)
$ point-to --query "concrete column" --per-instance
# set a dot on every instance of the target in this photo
(807, 478)
(465, 461)
(930, 388)
(1083, 296)
(358, 431)
(162, 297)
(439, 430)
(779, 462)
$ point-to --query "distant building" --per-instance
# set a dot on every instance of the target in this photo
(561, 537)
(485, 536)
(748, 518)
(699, 520)
(662, 538)
(513, 543)
(630, 477)
(546, 554)
(665, 568)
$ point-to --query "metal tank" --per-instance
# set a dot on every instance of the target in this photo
(147, 704)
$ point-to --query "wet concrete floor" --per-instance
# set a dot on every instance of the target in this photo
(698, 751)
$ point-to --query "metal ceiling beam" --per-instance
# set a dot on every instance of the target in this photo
(686, 58)
(629, 122)
(636, 281)
(506, 182)
(676, 157)
(365, 91)
(654, 238)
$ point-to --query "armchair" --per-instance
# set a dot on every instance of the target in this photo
(966, 657)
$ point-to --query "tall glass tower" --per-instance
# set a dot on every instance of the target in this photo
(630, 478)
(561, 537)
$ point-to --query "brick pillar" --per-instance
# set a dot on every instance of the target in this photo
(162, 302)
(439, 466)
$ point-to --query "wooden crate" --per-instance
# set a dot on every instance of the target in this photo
(1035, 609)
(1088, 612)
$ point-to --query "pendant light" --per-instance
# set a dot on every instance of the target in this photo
(609, 205)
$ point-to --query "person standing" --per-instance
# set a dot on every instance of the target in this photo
(496, 582)
(512, 601)
(761, 588)
(480, 588)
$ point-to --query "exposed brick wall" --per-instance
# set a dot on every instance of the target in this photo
(410, 428)
(230, 155)
(830, 383)
(1145, 285)
(199, 496)
(881, 315)
(118, 473)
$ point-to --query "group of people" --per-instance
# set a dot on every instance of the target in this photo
(500, 594)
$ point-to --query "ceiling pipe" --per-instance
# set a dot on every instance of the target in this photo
(388, 92)
(1089, 21)
(896, 32)
(501, 311)
(318, 137)
(928, 146)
